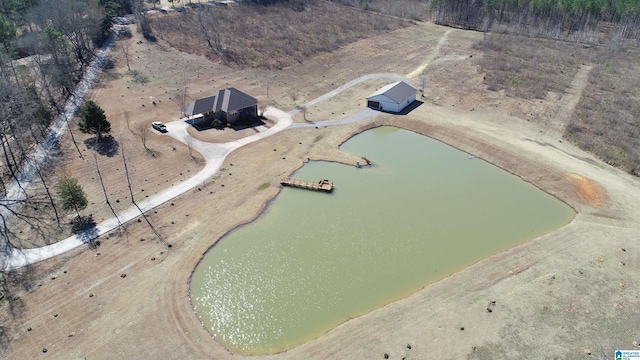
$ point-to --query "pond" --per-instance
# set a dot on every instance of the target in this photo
(314, 260)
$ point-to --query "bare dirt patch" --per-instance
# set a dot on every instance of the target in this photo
(587, 190)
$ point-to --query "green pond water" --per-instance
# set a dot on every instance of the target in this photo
(313, 260)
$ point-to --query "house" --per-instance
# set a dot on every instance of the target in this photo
(393, 97)
(229, 104)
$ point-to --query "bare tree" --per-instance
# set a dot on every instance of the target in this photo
(423, 82)
(181, 97)
(188, 140)
(208, 22)
(44, 184)
(267, 80)
(104, 190)
(73, 139)
(20, 132)
(303, 110)
(66, 41)
(143, 133)
(16, 109)
(125, 51)
(127, 119)
(10, 161)
(133, 201)
(49, 194)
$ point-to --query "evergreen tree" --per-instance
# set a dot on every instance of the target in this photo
(71, 193)
(93, 120)
(8, 33)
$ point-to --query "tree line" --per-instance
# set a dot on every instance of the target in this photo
(584, 20)
(45, 48)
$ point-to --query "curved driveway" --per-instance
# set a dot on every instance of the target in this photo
(345, 87)
(214, 155)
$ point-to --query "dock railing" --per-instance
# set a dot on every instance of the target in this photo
(322, 185)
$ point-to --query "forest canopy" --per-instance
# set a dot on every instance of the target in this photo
(587, 20)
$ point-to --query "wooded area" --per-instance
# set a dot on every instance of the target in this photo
(407, 9)
(583, 20)
(47, 46)
(269, 37)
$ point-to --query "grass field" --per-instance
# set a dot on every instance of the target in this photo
(270, 37)
(606, 121)
(567, 294)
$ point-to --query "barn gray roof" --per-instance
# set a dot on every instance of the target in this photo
(226, 100)
(398, 91)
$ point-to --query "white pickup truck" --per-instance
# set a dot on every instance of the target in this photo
(159, 126)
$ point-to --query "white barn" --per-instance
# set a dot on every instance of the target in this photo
(393, 97)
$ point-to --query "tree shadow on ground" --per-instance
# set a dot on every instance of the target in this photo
(108, 73)
(82, 223)
(85, 229)
(13, 283)
(107, 146)
(4, 338)
(153, 153)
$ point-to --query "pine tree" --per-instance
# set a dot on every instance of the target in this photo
(71, 193)
(93, 120)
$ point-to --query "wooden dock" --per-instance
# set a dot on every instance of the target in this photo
(322, 185)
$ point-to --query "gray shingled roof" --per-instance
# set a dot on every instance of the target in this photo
(201, 106)
(397, 92)
(226, 100)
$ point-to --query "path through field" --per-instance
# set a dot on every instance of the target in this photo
(431, 57)
(570, 99)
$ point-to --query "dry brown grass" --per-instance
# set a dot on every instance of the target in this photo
(148, 314)
(606, 121)
(526, 67)
(270, 37)
(408, 9)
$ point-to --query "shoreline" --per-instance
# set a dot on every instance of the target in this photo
(408, 125)
(546, 283)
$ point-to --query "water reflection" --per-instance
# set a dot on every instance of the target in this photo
(314, 260)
